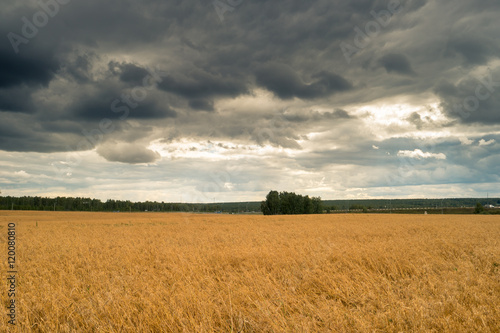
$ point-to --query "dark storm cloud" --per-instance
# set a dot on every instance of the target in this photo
(398, 63)
(93, 52)
(80, 67)
(473, 99)
(96, 109)
(475, 50)
(201, 104)
(17, 99)
(129, 73)
(192, 45)
(285, 83)
(116, 104)
(314, 116)
(22, 75)
(18, 132)
(37, 64)
(31, 69)
(200, 87)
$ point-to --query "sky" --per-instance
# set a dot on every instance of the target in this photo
(225, 100)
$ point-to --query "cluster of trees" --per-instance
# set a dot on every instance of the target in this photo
(288, 203)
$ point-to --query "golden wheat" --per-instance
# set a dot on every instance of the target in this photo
(153, 272)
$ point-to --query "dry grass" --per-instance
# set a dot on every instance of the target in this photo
(151, 272)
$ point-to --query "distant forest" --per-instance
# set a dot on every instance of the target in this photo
(329, 206)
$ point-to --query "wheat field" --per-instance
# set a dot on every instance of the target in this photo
(155, 272)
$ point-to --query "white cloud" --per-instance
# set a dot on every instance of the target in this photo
(22, 174)
(465, 141)
(482, 142)
(419, 154)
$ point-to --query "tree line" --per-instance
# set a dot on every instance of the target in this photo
(96, 205)
(289, 203)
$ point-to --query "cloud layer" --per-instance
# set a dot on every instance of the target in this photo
(178, 91)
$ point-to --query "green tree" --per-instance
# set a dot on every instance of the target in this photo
(479, 209)
(308, 205)
(271, 206)
(317, 205)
